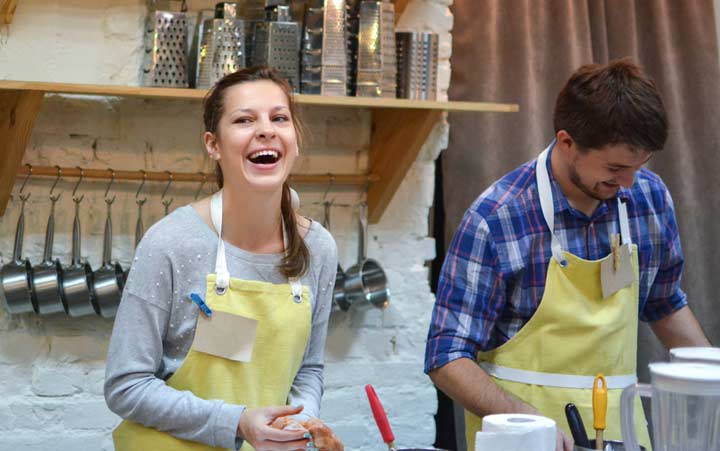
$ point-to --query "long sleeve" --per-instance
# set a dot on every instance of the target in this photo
(133, 391)
(133, 388)
(307, 388)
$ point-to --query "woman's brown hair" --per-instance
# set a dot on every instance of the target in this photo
(297, 257)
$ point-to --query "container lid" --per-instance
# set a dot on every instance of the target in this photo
(700, 355)
(698, 379)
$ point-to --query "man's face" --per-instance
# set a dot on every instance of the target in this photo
(599, 173)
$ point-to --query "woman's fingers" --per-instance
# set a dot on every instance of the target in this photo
(294, 445)
(282, 411)
(280, 435)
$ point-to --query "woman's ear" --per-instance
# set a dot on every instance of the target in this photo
(211, 146)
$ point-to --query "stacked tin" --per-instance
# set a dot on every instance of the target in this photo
(324, 60)
(377, 61)
(222, 48)
(417, 54)
(165, 59)
(276, 43)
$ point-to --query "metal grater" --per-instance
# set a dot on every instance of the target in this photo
(324, 50)
(352, 29)
(165, 59)
(377, 61)
(222, 46)
(417, 54)
(276, 44)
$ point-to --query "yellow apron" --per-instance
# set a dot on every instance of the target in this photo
(283, 316)
(573, 335)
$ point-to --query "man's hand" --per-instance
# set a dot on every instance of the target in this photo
(563, 443)
(255, 428)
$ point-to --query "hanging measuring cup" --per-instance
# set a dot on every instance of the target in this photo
(366, 280)
(16, 275)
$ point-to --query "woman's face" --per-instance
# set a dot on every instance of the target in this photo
(255, 142)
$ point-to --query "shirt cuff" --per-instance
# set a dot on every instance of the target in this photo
(435, 359)
(226, 426)
(659, 310)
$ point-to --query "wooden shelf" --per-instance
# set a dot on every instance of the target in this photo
(7, 11)
(399, 127)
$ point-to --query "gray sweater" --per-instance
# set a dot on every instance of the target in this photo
(155, 326)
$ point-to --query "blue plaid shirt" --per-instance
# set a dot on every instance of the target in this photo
(493, 277)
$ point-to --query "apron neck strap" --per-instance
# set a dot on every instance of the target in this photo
(546, 203)
(548, 208)
(222, 280)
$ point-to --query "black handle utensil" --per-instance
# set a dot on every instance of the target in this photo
(577, 428)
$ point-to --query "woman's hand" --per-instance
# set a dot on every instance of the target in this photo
(255, 428)
(323, 437)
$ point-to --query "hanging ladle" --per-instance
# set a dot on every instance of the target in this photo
(16, 276)
(78, 276)
(108, 279)
(47, 276)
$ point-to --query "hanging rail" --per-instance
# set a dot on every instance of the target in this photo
(307, 179)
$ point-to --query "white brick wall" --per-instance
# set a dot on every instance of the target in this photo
(51, 368)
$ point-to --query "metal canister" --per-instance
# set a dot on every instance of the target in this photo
(417, 58)
(324, 61)
(377, 60)
(165, 60)
(222, 48)
(276, 43)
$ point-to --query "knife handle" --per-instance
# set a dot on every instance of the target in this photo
(577, 428)
(379, 414)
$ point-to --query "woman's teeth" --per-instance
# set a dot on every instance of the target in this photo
(264, 157)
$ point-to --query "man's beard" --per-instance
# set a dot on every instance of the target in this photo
(575, 179)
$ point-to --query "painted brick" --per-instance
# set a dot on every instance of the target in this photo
(57, 380)
(74, 349)
(91, 414)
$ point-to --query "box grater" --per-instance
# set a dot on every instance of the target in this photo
(165, 59)
(417, 55)
(222, 45)
(377, 61)
(276, 43)
(324, 49)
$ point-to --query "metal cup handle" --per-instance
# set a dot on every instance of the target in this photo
(107, 239)
(49, 234)
(19, 234)
(76, 236)
(362, 238)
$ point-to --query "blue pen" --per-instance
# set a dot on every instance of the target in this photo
(200, 303)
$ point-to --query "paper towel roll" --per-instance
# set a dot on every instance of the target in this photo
(516, 432)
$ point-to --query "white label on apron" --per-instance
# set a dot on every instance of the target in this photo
(612, 280)
(226, 335)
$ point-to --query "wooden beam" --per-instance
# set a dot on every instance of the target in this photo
(7, 10)
(397, 137)
(18, 110)
(399, 8)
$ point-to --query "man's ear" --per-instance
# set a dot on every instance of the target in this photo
(564, 142)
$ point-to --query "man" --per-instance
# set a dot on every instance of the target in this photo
(553, 265)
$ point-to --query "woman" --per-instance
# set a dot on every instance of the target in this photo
(217, 338)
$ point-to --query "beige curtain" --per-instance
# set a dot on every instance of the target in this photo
(523, 51)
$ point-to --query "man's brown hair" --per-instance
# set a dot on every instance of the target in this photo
(612, 104)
